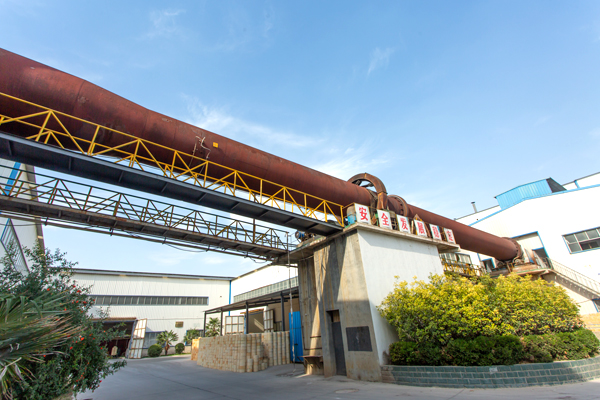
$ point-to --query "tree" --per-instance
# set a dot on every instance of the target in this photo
(191, 335)
(213, 328)
(166, 339)
(80, 362)
(30, 329)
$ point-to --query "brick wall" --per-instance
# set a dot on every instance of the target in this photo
(242, 353)
(501, 376)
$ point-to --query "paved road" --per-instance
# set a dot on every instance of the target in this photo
(178, 378)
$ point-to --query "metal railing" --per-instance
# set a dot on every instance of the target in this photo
(84, 198)
(462, 268)
(572, 275)
(141, 154)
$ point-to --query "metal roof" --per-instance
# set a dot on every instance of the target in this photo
(148, 274)
(260, 301)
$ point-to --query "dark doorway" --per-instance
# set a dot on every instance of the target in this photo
(338, 343)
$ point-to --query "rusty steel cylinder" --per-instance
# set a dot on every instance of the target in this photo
(37, 83)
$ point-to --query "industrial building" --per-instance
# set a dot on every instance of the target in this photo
(180, 302)
(558, 227)
(17, 233)
(164, 301)
(358, 238)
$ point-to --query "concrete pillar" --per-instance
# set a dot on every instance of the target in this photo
(349, 275)
(286, 338)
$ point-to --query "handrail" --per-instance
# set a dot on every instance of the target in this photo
(184, 167)
(577, 277)
(461, 267)
(85, 198)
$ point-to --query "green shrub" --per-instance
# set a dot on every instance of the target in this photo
(484, 350)
(401, 352)
(154, 350)
(450, 308)
(589, 340)
(575, 345)
(536, 349)
(410, 353)
(179, 348)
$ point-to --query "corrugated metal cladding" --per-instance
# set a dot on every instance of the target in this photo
(528, 191)
(159, 317)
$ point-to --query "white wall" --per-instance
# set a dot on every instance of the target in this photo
(385, 257)
(160, 317)
(261, 277)
(552, 217)
(469, 219)
(588, 180)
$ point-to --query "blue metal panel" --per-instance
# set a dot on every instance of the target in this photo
(296, 337)
(523, 192)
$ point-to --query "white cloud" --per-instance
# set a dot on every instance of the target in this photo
(352, 161)
(219, 121)
(379, 59)
(164, 23)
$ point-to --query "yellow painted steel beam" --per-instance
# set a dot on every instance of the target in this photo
(142, 157)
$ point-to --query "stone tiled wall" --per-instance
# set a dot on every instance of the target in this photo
(195, 343)
(242, 353)
(501, 376)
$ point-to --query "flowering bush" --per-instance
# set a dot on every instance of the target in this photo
(80, 363)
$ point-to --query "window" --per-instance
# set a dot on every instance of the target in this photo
(178, 324)
(234, 324)
(149, 300)
(584, 240)
(489, 264)
(268, 320)
(456, 257)
(150, 339)
(12, 247)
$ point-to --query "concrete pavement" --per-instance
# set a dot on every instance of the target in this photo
(178, 378)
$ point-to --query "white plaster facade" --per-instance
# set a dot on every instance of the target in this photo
(385, 260)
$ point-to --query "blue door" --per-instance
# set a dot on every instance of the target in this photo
(296, 337)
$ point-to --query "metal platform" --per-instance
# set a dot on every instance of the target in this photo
(68, 162)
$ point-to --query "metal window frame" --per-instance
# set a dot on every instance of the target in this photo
(579, 242)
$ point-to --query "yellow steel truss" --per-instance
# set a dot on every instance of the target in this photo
(77, 196)
(184, 167)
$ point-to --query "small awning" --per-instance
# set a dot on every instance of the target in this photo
(260, 301)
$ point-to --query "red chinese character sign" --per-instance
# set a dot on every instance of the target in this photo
(435, 232)
(420, 227)
(384, 219)
(449, 235)
(403, 224)
(362, 214)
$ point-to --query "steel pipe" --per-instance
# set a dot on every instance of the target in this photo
(29, 80)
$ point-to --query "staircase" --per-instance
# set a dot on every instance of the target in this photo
(579, 283)
(576, 278)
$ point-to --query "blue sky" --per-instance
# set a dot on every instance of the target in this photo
(446, 102)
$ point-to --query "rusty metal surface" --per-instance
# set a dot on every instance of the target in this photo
(382, 196)
(35, 82)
